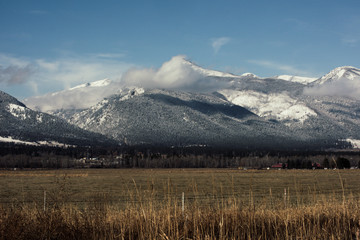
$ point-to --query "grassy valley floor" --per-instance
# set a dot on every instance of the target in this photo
(149, 204)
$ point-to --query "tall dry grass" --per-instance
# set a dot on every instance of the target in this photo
(151, 220)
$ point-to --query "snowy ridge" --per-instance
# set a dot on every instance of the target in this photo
(297, 79)
(208, 72)
(100, 83)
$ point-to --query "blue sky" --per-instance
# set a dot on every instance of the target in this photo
(47, 46)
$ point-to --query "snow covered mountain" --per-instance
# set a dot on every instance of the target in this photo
(175, 118)
(340, 82)
(20, 124)
(340, 73)
(244, 109)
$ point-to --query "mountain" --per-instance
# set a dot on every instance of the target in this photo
(326, 108)
(175, 118)
(244, 111)
(339, 74)
(21, 124)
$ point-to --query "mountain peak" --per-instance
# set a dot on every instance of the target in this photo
(249, 75)
(207, 72)
(99, 83)
(339, 73)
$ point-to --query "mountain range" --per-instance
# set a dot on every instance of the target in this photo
(242, 111)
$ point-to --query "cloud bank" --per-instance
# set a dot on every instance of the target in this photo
(343, 88)
(174, 74)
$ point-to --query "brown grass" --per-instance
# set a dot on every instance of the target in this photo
(145, 222)
(146, 204)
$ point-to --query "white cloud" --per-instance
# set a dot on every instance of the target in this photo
(217, 43)
(342, 87)
(174, 74)
(42, 75)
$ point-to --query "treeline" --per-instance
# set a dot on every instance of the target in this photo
(25, 156)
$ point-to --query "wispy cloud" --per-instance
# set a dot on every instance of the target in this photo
(69, 72)
(217, 43)
(110, 55)
(13, 74)
(283, 68)
(351, 41)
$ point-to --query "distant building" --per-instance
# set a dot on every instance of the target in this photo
(279, 166)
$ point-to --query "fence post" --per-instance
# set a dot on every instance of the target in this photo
(285, 197)
(44, 201)
(183, 202)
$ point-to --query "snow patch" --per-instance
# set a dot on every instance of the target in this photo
(277, 105)
(354, 142)
(17, 111)
(39, 117)
(17, 141)
(38, 143)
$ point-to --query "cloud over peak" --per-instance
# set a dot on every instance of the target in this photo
(177, 73)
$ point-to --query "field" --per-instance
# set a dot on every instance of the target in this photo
(149, 204)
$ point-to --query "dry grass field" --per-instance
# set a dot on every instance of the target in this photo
(147, 204)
